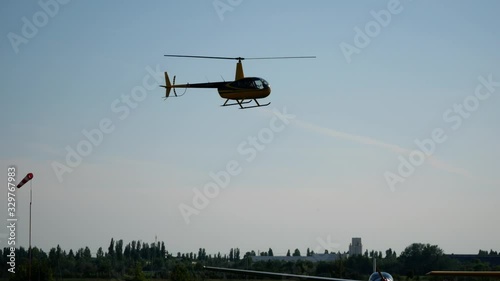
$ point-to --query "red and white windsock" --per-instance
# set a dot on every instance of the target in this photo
(26, 179)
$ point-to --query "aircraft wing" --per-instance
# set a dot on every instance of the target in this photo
(466, 273)
(273, 274)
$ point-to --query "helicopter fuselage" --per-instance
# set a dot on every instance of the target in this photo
(241, 89)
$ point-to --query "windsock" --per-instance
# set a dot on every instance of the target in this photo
(26, 179)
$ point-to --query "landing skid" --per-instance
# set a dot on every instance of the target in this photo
(242, 102)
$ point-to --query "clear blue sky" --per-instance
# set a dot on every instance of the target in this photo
(321, 176)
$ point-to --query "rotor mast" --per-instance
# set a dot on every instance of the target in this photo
(239, 71)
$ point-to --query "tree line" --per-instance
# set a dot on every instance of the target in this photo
(140, 260)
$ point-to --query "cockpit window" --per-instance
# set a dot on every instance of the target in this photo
(258, 84)
(251, 83)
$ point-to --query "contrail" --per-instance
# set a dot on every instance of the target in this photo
(434, 161)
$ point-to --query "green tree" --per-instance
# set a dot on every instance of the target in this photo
(296, 253)
(137, 252)
(68, 264)
(180, 273)
(421, 258)
(357, 266)
(87, 255)
(100, 259)
(338, 268)
(119, 249)
(270, 252)
(138, 273)
(40, 270)
(388, 253)
(482, 253)
(250, 254)
(111, 248)
(100, 253)
(145, 251)
(324, 269)
(163, 250)
(53, 262)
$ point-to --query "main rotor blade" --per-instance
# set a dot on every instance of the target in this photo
(272, 58)
(240, 58)
(203, 57)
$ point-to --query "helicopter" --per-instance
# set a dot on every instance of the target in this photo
(242, 90)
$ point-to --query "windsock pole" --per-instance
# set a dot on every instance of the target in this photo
(26, 179)
(31, 250)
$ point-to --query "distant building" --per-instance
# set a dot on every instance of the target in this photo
(493, 260)
(312, 258)
(355, 248)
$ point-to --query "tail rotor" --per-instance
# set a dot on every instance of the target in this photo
(169, 86)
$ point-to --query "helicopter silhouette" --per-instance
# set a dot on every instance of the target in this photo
(242, 90)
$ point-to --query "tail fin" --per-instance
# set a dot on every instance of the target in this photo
(168, 87)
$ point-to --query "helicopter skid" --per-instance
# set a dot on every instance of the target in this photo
(242, 102)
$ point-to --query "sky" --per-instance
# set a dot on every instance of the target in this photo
(391, 134)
